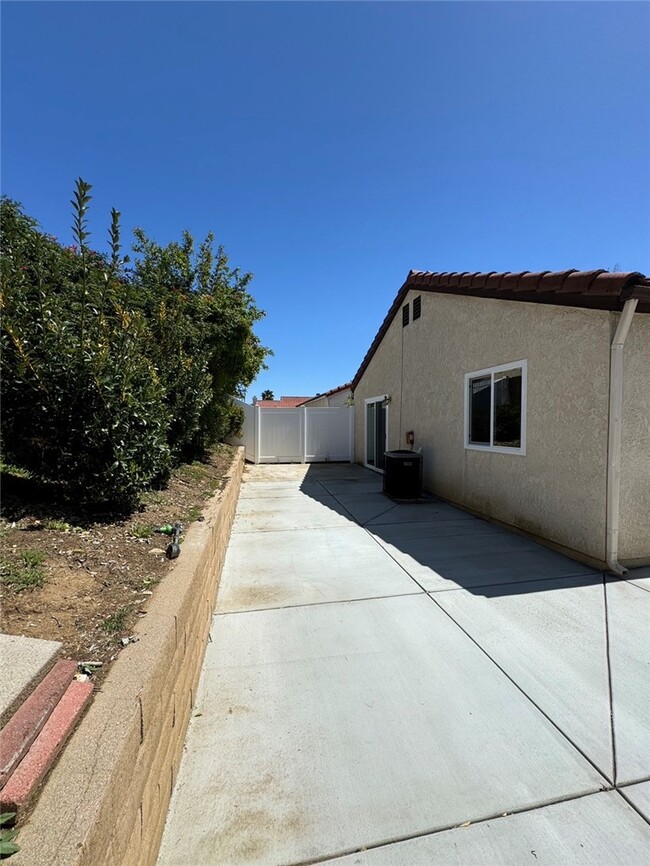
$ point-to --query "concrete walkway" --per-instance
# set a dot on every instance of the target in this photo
(395, 685)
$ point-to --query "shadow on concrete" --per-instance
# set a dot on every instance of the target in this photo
(441, 547)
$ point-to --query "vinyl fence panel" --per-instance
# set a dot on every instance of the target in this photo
(280, 436)
(328, 434)
(306, 435)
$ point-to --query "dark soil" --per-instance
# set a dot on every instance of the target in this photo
(83, 579)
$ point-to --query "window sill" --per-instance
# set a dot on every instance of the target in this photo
(497, 449)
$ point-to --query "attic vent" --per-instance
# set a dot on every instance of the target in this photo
(405, 315)
(417, 307)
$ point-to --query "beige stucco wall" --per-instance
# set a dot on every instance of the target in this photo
(340, 398)
(634, 534)
(558, 489)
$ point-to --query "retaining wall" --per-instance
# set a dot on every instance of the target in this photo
(106, 801)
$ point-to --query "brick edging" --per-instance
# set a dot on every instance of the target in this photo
(106, 801)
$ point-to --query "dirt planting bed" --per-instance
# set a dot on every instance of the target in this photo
(84, 580)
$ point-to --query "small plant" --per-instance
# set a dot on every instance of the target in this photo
(7, 836)
(141, 530)
(57, 525)
(23, 573)
(196, 471)
(116, 621)
(153, 497)
(193, 514)
(16, 471)
(32, 558)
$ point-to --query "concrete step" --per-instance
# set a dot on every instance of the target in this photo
(24, 726)
(25, 780)
(24, 661)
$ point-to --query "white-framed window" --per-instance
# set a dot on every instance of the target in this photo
(495, 408)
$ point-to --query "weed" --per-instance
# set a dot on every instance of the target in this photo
(32, 558)
(24, 572)
(141, 530)
(116, 621)
(16, 471)
(213, 487)
(196, 471)
(60, 526)
(153, 497)
(193, 514)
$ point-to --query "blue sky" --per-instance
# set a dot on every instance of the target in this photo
(333, 146)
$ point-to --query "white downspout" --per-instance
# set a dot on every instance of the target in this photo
(614, 437)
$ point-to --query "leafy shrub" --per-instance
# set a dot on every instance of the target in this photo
(203, 346)
(82, 404)
(109, 374)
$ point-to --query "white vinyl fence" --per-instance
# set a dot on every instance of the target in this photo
(305, 435)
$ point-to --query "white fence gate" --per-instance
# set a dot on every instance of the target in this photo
(305, 435)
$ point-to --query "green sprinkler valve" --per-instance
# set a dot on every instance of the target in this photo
(174, 548)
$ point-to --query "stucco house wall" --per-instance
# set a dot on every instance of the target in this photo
(634, 533)
(557, 490)
(339, 398)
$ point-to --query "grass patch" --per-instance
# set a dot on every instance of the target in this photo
(60, 526)
(196, 471)
(116, 621)
(153, 497)
(193, 514)
(141, 530)
(23, 572)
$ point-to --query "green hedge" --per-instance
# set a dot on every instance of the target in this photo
(111, 370)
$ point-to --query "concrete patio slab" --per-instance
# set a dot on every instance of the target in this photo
(628, 609)
(311, 472)
(361, 506)
(273, 489)
(274, 569)
(365, 506)
(423, 512)
(275, 472)
(340, 472)
(441, 557)
(354, 487)
(418, 535)
(24, 661)
(288, 512)
(550, 638)
(641, 582)
(639, 795)
(319, 730)
(598, 830)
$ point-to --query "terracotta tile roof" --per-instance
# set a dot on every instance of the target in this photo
(282, 403)
(329, 393)
(595, 290)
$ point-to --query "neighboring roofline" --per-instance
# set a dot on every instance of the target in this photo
(277, 404)
(327, 393)
(594, 290)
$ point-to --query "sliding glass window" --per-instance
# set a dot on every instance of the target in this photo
(495, 408)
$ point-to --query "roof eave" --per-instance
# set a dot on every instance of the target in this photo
(633, 285)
